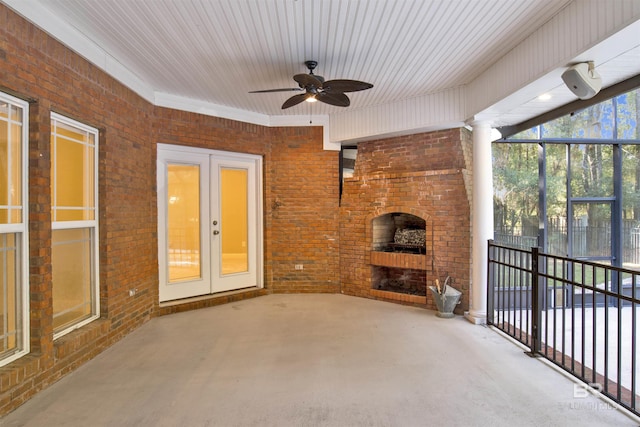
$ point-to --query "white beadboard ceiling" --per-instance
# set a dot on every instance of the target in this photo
(215, 51)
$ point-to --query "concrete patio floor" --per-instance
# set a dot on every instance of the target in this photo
(314, 360)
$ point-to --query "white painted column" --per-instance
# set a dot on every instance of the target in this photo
(482, 221)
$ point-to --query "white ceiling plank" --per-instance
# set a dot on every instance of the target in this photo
(216, 51)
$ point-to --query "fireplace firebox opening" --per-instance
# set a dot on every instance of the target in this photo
(404, 281)
(399, 232)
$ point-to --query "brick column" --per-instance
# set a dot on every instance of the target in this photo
(482, 221)
(40, 290)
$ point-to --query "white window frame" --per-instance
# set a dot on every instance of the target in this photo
(22, 232)
(92, 225)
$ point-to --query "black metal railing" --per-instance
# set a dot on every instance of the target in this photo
(582, 316)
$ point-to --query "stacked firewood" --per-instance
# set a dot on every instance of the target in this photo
(410, 236)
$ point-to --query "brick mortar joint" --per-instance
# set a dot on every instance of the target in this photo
(389, 176)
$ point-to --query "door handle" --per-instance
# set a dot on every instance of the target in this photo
(216, 232)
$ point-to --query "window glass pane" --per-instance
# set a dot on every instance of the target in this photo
(556, 198)
(516, 193)
(69, 174)
(5, 178)
(67, 130)
(595, 122)
(15, 189)
(72, 276)
(73, 190)
(16, 215)
(533, 133)
(235, 220)
(183, 194)
(71, 215)
(591, 230)
(631, 205)
(16, 113)
(90, 182)
(11, 141)
(628, 115)
(10, 302)
(591, 170)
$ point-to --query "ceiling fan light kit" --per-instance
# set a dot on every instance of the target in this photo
(317, 89)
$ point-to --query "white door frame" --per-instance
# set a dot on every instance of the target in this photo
(191, 155)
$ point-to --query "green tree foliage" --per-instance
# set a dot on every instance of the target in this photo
(556, 189)
(515, 185)
(516, 165)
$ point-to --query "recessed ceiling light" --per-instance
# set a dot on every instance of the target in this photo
(544, 97)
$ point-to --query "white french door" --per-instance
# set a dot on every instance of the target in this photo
(234, 222)
(209, 228)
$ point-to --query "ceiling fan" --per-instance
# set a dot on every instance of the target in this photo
(316, 89)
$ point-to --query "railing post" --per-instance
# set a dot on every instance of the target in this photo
(615, 288)
(490, 286)
(536, 305)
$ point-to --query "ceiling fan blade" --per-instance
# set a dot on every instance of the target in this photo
(306, 80)
(276, 90)
(337, 99)
(295, 100)
(335, 86)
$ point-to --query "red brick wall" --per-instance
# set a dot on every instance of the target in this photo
(411, 153)
(300, 197)
(423, 175)
(302, 213)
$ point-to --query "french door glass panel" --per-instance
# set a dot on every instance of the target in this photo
(234, 221)
(183, 216)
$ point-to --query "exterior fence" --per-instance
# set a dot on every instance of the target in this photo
(593, 239)
(581, 316)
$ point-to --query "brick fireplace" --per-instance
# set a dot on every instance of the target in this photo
(405, 218)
